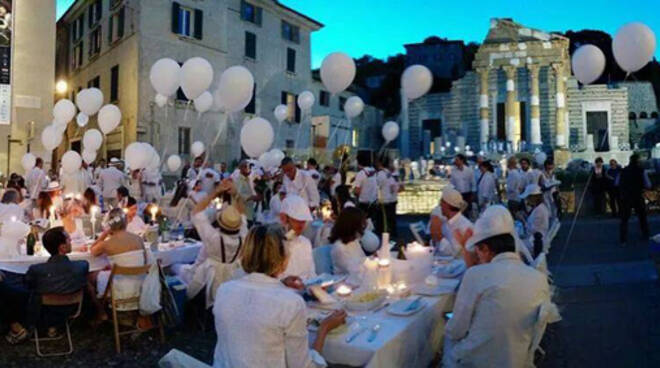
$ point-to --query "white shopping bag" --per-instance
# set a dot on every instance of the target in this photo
(150, 292)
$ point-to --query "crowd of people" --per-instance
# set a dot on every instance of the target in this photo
(258, 228)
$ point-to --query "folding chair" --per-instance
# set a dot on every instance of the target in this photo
(59, 300)
(416, 228)
(127, 271)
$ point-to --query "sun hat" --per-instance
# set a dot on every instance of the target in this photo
(531, 189)
(452, 197)
(230, 219)
(296, 208)
(495, 220)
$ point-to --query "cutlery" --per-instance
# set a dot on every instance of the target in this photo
(382, 307)
(374, 332)
(413, 305)
(355, 334)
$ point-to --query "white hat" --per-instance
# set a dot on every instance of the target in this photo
(296, 208)
(495, 220)
(531, 189)
(453, 197)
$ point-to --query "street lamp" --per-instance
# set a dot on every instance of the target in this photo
(61, 87)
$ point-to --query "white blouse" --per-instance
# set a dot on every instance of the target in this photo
(347, 257)
(301, 261)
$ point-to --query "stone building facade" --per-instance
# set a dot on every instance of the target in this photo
(265, 36)
(443, 57)
(642, 109)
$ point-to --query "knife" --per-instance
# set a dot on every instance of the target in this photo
(355, 334)
(413, 305)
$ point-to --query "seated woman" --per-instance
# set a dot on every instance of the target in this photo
(322, 236)
(347, 253)
(259, 321)
(124, 249)
(42, 206)
(9, 206)
(89, 199)
(538, 220)
(135, 224)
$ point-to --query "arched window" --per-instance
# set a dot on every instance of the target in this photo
(642, 115)
(654, 115)
(632, 116)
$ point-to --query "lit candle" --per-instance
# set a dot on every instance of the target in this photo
(384, 273)
(370, 273)
(343, 291)
(154, 211)
(13, 219)
(92, 212)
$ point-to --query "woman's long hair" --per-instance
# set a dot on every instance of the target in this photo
(180, 192)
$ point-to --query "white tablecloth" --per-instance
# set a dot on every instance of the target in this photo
(409, 341)
(186, 253)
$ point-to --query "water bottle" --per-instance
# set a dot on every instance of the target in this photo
(101, 203)
(180, 233)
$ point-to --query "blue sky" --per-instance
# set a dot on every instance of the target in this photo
(382, 27)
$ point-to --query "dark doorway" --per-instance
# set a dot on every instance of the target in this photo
(523, 121)
(597, 125)
(75, 146)
(501, 122)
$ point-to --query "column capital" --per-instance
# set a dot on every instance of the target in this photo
(510, 71)
(482, 70)
(558, 67)
(534, 69)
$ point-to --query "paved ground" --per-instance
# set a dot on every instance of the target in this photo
(609, 299)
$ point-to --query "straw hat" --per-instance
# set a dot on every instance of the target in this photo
(230, 219)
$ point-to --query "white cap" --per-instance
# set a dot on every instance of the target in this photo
(495, 220)
(531, 189)
(296, 208)
(453, 197)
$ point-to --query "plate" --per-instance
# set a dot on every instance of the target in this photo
(400, 307)
(444, 286)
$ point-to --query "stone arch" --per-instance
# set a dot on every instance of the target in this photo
(643, 115)
(632, 116)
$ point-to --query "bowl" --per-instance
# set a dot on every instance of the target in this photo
(365, 300)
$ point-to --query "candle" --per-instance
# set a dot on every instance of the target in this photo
(343, 291)
(370, 273)
(92, 212)
(384, 273)
(421, 260)
(154, 211)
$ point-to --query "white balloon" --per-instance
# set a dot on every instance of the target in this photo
(217, 102)
(353, 107)
(588, 63)
(197, 149)
(256, 136)
(204, 102)
(88, 156)
(71, 162)
(416, 81)
(154, 161)
(51, 137)
(540, 157)
(196, 77)
(164, 76)
(633, 46)
(236, 88)
(281, 112)
(174, 163)
(390, 131)
(85, 101)
(28, 161)
(337, 72)
(370, 241)
(64, 110)
(133, 155)
(264, 160)
(277, 156)
(306, 100)
(61, 125)
(96, 99)
(92, 140)
(161, 100)
(82, 119)
(109, 118)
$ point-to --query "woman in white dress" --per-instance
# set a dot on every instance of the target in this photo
(347, 254)
(180, 209)
(259, 321)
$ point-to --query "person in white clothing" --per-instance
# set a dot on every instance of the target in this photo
(388, 188)
(539, 217)
(531, 175)
(486, 186)
(312, 170)
(365, 187)
(299, 183)
(210, 179)
(195, 169)
(514, 186)
(462, 178)
(9, 208)
(135, 223)
(36, 180)
(549, 187)
(446, 219)
(151, 185)
(498, 302)
(74, 183)
(259, 321)
(295, 216)
(347, 253)
(110, 179)
(275, 204)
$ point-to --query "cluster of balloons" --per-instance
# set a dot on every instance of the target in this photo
(140, 155)
(271, 159)
(633, 47)
(256, 136)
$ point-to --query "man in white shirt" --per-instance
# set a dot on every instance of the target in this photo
(151, 181)
(224, 174)
(514, 186)
(462, 178)
(498, 303)
(74, 183)
(295, 216)
(36, 179)
(298, 182)
(531, 175)
(446, 220)
(486, 186)
(388, 188)
(110, 179)
(194, 170)
(312, 170)
(365, 186)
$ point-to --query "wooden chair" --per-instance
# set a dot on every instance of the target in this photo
(59, 300)
(114, 302)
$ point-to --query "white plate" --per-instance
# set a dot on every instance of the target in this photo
(399, 308)
(444, 286)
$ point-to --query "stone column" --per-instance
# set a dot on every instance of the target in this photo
(560, 129)
(535, 111)
(511, 107)
(483, 108)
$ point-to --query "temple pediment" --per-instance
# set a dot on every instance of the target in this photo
(505, 30)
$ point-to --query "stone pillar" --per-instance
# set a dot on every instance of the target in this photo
(483, 108)
(511, 107)
(560, 129)
(535, 111)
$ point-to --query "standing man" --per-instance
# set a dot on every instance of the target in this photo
(365, 187)
(612, 175)
(300, 183)
(514, 186)
(598, 186)
(110, 179)
(151, 182)
(312, 170)
(632, 182)
(245, 190)
(192, 172)
(36, 179)
(462, 178)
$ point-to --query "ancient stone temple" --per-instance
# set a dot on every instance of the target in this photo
(520, 97)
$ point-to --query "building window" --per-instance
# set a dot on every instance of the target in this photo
(184, 141)
(250, 13)
(290, 32)
(654, 115)
(77, 56)
(293, 111)
(95, 42)
(252, 106)
(77, 27)
(114, 83)
(95, 12)
(290, 60)
(187, 21)
(342, 101)
(632, 116)
(116, 25)
(250, 45)
(289, 143)
(642, 115)
(96, 82)
(324, 98)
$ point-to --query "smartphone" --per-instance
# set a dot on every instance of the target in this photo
(448, 315)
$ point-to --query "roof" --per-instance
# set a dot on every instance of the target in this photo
(317, 23)
(432, 41)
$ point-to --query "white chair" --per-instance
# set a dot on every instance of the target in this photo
(418, 228)
(323, 259)
(547, 313)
